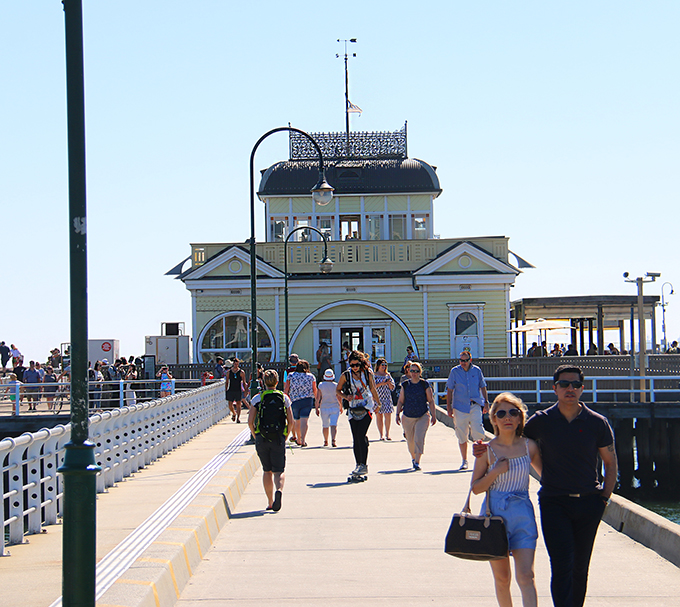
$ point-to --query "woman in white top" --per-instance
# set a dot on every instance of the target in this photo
(505, 474)
(328, 406)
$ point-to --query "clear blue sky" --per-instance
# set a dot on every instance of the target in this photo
(554, 123)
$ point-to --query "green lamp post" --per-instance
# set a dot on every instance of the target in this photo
(322, 193)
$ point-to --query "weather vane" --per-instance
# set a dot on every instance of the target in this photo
(350, 108)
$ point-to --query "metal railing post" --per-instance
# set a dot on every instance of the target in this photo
(594, 380)
(17, 399)
(172, 386)
(651, 389)
(538, 390)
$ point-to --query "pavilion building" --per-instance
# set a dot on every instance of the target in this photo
(394, 283)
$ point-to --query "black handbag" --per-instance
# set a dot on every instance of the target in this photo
(477, 538)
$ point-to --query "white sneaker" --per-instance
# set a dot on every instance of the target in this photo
(357, 470)
(363, 469)
(464, 465)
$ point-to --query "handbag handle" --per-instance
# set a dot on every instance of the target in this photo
(466, 508)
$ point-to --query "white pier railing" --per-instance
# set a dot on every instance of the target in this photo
(126, 440)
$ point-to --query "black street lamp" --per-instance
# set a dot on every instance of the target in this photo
(79, 468)
(325, 265)
(322, 193)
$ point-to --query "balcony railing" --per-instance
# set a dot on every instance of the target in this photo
(347, 255)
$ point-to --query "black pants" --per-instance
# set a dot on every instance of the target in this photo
(569, 527)
(359, 429)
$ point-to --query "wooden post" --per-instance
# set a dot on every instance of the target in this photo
(600, 329)
(624, 452)
(644, 472)
(674, 454)
(660, 453)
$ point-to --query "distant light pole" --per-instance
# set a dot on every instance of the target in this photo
(640, 281)
(322, 194)
(663, 314)
(325, 265)
(79, 468)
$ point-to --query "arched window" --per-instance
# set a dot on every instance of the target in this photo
(228, 335)
(466, 324)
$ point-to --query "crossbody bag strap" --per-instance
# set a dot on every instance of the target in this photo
(488, 497)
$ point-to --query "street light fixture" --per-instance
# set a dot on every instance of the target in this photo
(640, 281)
(663, 314)
(322, 194)
(79, 468)
(325, 265)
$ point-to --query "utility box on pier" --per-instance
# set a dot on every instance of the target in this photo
(168, 349)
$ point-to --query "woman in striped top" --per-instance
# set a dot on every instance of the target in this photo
(505, 474)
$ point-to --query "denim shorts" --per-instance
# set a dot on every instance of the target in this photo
(302, 407)
(518, 513)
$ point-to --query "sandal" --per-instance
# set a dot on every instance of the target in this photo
(325, 443)
(333, 443)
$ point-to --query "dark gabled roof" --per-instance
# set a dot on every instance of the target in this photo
(362, 176)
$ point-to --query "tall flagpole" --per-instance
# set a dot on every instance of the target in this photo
(347, 104)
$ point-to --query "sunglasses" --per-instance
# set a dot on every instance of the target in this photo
(355, 365)
(500, 414)
(563, 383)
(464, 360)
(414, 371)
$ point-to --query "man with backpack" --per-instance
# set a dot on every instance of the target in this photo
(270, 419)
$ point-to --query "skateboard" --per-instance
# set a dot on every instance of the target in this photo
(357, 478)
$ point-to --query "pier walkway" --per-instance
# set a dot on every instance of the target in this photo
(375, 543)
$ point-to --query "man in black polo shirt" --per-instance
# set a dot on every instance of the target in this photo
(572, 499)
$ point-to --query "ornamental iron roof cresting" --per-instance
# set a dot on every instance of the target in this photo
(362, 145)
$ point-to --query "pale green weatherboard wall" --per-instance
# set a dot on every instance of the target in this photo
(406, 306)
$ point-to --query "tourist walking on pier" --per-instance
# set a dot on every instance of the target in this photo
(269, 420)
(32, 376)
(505, 474)
(572, 499)
(301, 388)
(328, 406)
(384, 384)
(417, 403)
(357, 386)
(5, 355)
(131, 379)
(236, 380)
(166, 381)
(466, 401)
(50, 386)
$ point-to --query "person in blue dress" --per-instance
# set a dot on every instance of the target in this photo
(505, 474)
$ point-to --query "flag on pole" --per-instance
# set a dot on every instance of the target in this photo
(353, 109)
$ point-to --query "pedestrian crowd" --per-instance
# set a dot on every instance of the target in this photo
(564, 444)
(50, 381)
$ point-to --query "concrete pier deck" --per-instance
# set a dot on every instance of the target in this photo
(374, 543)
(381, 542)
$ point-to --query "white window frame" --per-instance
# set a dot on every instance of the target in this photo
(367, 326)
(455, 309)
(221, 317)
